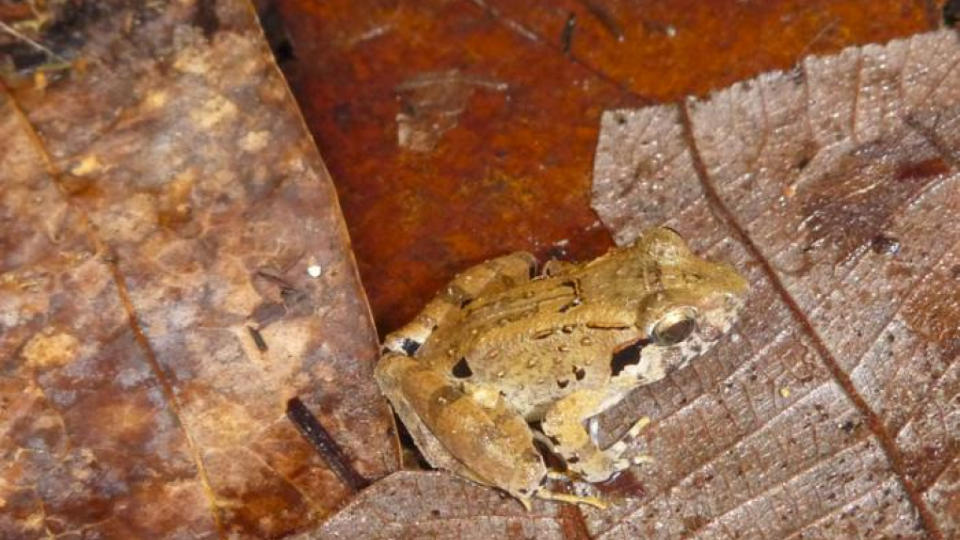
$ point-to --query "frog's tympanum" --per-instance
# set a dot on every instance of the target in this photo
(502, 357)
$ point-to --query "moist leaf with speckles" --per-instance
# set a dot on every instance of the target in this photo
(174, 269)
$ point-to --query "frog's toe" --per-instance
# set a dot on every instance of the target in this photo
(638, 426)
(621, 457)
(596, 502)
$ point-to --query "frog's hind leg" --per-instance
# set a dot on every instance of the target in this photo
(488, 277)
(475, 436)
(564, 425)
(393, 373)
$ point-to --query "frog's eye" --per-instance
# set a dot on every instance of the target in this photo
(674, 327)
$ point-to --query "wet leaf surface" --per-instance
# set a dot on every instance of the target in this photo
(174, 270)
(667, 49)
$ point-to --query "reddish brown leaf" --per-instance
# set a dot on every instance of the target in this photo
(833, 410)
(666, 49)
(174, 269)
(514, 170)
(452, 137)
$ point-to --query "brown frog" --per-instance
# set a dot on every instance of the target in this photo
(503, 357)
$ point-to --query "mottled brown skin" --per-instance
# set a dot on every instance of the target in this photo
(499, 349)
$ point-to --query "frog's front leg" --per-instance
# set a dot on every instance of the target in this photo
(564, 425)
(470, 432)
(490, 276)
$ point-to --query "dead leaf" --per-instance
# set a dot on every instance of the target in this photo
(439, 121)
(421, 167)
(667, 49)
(108, 426)
(816, 417)
(175, 268)
(439, 505)
(832, 409)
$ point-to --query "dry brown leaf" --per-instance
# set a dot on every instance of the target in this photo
(174, 268)
(439, 505)
(834, 409)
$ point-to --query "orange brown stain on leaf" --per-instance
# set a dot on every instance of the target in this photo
(174, 208)
(923, 169)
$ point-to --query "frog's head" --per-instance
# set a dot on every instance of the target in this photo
(697, 302)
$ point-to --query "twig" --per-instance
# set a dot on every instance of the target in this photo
(13, 32)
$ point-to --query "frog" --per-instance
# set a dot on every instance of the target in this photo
(507, 363)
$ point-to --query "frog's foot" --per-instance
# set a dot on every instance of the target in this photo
(488, 277)
(564, 426)
(570, 499)
(618, 451)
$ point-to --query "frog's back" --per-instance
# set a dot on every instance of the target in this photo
(534, 343)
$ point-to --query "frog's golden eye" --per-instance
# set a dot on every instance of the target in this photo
(674, 327)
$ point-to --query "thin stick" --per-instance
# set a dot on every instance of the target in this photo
(13, 32)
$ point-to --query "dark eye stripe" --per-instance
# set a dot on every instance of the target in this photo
(626, 356)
